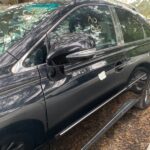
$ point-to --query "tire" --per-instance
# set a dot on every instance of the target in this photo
(142, 87)
(16, 142)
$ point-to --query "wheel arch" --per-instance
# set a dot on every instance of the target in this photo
(145, 65)
(34, 128)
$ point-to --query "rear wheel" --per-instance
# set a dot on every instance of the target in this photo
(16, 142)
(142, 87)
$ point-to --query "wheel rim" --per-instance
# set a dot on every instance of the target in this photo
(14, 145)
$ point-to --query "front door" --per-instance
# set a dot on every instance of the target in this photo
(75, 93)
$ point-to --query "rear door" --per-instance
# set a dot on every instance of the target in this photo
(136, 34)
(69, 98)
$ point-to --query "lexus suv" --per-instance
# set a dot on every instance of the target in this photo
(58, 62)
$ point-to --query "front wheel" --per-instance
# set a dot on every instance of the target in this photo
(142, 87)
(16, 142)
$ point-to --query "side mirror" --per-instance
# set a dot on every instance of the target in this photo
(70, 55)
(59, 56)
(56, 61)
(81, 55)
(68, 50)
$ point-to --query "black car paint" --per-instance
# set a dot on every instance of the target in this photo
(33, 97)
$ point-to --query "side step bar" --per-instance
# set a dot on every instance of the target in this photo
(120, 112)
(96, 109)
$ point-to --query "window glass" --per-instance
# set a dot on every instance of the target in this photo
(131, 27)
(95, 21)
(147, 29)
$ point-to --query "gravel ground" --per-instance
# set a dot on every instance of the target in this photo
(132, 132)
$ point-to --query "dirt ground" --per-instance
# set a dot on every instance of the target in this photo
(132, 132)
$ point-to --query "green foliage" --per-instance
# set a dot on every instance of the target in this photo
(143, 7)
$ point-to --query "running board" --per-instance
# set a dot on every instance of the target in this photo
(120, 113)
(96, 109)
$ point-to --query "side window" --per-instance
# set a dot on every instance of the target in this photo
(131, 27)
(94, 21)
(147, 29)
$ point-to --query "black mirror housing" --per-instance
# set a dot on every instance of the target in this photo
(81, 55)
(68, 44)
(58, 57)
(71, 49)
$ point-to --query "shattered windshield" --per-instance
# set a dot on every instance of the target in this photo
(16, 22)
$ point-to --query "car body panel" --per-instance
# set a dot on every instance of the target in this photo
(138, 55)
(66, 91)
(31, 94)
(20, 96)
(22, 106)
(6, 59)
(85, 79)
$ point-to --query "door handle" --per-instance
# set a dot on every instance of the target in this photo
(119, 66)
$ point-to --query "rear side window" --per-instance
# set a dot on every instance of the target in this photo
(130, 25)
(147, 29)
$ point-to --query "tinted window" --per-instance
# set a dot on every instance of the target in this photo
(147, 29)
(95, 21)
(131, 27)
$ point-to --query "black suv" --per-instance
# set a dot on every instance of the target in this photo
(59, 62)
